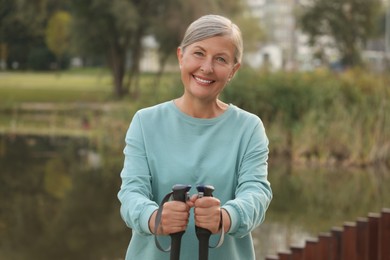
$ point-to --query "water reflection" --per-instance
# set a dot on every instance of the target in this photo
(58, 201)
(308, 201)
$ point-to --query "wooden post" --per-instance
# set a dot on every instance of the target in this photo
(284, 255)
(336, 243)
(362, 239)
(324, 246)
(311, 250)
(373, 227)
(349, 241)
(365, 239)
(297, 253)
(384, 235)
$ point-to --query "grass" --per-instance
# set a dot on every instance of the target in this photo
(73, 86)
(86, 85)
(49, 103)
(58, 102)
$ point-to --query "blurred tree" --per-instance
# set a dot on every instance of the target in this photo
(21, 28)
(58, 33)
(348, 22)
(40, 58)
(113, 29)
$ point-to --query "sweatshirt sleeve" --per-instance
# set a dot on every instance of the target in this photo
(135, 193)
(253, 193)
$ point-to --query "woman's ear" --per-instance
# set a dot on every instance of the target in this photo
(234, 70)
(179, 54)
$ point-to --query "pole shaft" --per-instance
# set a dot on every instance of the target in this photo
(180, 193)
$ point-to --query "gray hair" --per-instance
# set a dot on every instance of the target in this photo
(210, 26)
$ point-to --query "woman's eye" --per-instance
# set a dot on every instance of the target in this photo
(220, 59)
(198, 53)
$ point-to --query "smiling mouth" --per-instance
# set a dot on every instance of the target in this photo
(203, 81)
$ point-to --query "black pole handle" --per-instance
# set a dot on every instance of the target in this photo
(203, 234)
(179, 193)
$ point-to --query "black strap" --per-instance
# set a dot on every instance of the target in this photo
(157, 222)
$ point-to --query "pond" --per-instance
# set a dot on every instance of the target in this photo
(58, 200)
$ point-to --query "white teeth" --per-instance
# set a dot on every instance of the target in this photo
(203, 80)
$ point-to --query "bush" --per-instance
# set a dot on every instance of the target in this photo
(319, 116)
(40, 58)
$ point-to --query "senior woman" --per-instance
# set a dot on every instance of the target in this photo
(197, 138)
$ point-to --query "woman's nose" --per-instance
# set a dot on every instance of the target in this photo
(207, 67)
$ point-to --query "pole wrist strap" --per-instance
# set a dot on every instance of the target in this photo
(157, 223)
(221, 234)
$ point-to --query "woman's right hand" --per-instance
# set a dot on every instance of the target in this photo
(174, 218)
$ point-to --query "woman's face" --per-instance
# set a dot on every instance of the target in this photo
(206, 67)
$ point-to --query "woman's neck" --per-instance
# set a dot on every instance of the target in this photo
(201, 109)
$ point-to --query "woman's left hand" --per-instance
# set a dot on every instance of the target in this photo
(207, 212)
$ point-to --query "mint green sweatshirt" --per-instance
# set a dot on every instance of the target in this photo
(165, 147)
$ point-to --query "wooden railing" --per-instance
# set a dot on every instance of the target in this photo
(366, 239)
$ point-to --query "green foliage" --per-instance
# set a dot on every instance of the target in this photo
(96, 23)
(58, 33)
(114, 30)
(319, 116)
(21, 28)
(40, 58)
(282, 95)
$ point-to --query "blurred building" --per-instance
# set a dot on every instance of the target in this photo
(149, 59)
(286, 46)
(277, 17)
(377, 52)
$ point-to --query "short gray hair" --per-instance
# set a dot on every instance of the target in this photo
(210, 26)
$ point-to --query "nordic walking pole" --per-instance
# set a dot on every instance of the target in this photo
(203, 234)
(180, 193)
